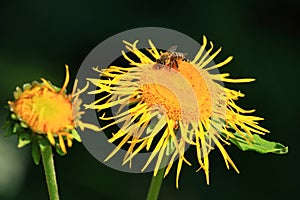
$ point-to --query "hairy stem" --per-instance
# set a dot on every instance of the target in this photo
(46, 152)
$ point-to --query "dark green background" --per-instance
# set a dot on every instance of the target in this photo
(38, 38)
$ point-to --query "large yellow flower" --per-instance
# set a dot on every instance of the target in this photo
(44, 109)
(184, 106)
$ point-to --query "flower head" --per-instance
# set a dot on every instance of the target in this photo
(44, 109)
(173, 108)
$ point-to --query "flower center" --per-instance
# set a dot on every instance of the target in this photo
(44, 110)
(181, 93)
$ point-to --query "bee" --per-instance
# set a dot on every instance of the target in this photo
(169, 59)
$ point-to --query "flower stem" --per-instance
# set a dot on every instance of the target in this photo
(155, 185)
(46, 152)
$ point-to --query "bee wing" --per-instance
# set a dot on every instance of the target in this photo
(172, 48)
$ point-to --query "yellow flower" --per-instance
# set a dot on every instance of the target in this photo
(184, 106)
(48, 110)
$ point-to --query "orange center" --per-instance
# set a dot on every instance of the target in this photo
(44, 111)
(181, 93)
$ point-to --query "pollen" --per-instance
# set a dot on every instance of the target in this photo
(165, 87)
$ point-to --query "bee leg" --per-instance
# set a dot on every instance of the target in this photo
(158, 64)
(176, 64)
(170, 64)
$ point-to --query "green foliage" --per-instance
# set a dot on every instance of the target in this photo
(258, 144)
(14, 126)
(36, 153)
(170, 147)
(76, 136)
(23, 142)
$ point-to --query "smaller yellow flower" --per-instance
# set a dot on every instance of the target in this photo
(48, 110)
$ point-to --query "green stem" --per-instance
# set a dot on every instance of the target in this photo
(155, 185)
(46, 152)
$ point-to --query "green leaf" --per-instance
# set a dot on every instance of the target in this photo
(36, 154)
(13, 116)
(23, 125)
(23, 142)
(16, 128)
(170, 147)
(26, 86)
(76, 136)
(43, 141)
(17, 93)
(151, 125)
(259, 145)
(8, 127)
(24, 135)
(58, 150)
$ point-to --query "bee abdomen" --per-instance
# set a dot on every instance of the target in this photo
(178, 55)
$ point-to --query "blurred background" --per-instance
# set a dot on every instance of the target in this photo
(38, 38)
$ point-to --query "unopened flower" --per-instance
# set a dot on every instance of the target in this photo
(183, 105)
(42, 109)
